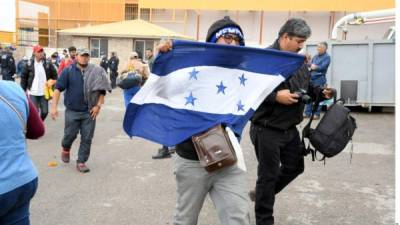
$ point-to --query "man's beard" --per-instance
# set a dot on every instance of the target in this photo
(82, 65)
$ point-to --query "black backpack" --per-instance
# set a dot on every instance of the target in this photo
(333, 132)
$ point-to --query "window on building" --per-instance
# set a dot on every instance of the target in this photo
(98, 47)
(145, 14)
(131, 11)
(27, 36)
(43, 37)
(140, 47)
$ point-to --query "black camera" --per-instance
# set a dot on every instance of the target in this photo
(303, 96)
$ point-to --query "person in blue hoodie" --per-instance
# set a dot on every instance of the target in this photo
(318, 67)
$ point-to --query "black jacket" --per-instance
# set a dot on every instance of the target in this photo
(7, 64)
(29, 73)
(113, 63)
(104, 63)
(283, 117)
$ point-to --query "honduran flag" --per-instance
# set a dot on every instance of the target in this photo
(196, 86)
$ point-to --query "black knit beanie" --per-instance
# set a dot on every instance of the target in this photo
(220, 24)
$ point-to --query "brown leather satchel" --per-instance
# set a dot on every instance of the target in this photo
(214, 149)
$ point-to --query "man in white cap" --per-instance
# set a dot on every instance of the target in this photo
(85, 86)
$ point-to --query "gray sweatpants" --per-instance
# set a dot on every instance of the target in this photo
(227, 188)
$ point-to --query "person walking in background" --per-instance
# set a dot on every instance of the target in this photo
(21, 65)
(113, 66)
(18, 175)
(55, 60)
(67, 60)
(318, 67)
(7, 64)
(104, 63)
(85, 86)
(38, 75)
(134, 67)
(150, 58)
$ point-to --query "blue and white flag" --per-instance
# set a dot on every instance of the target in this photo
(196, 86)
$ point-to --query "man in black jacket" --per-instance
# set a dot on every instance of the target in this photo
(113, 66)
(35, 77)
(104, 63)
(7, 64)
(273, 129)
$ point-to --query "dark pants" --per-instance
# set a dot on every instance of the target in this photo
(8, 77)
(280, 160)
(42, 105)
(316, 82)
(113, 78)
(79, 122)
(14, 205)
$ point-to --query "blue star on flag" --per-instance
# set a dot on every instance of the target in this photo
(190, 99)
(221, 88)
(240, 106)
(242, 80)
(193, 74)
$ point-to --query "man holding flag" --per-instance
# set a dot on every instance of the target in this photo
(195, 86)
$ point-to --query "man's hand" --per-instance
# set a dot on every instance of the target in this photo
(94, 111)
(313, 67)
(328, 92)
(286, 98)
(165, 46)
(54, 113)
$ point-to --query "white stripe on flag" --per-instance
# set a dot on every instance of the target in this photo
(174, 90)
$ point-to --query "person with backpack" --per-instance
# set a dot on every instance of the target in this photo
(273, 129)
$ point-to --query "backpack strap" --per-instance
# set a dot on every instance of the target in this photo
(306, 132)
(21, 118)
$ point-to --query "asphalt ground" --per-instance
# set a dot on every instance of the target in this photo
(127, 187)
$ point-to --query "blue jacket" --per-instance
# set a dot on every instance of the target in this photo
(16, 168)
(71, 80)
(318, 75)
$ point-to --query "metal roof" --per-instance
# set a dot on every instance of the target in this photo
(128, 28)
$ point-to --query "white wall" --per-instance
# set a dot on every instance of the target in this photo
(250, 23)
(7, 15)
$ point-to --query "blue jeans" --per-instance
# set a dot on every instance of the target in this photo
(14, 205)
(41, 104)
(316, 82)
(76, 122)
(309, 107)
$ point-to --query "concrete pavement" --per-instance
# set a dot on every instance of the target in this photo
(127, 187)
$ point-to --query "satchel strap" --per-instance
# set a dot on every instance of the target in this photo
(21, 118)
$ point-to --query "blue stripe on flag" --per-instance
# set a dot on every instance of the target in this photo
(264, 61)
(169, 126)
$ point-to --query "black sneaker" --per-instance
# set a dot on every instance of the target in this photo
(163, 153)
